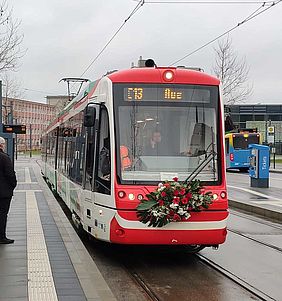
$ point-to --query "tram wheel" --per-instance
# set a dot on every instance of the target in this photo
(192, 249)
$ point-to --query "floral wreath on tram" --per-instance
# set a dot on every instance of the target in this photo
(172, 201)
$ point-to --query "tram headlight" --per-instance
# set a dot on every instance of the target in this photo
(215, 196)
(131, 196)
(121, 194)
(140, 197)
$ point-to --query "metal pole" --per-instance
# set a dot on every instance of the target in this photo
(16, 147)
(16, 142)
(274, 151)
(30, 142)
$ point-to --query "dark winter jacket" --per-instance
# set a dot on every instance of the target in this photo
(8, 180)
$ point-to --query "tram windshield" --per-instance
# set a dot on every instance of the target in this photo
(163, 132)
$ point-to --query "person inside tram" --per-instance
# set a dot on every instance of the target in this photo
(155, 145)
(125, 157)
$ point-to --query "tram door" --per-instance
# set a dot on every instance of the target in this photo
(91, 146)
(98, 151)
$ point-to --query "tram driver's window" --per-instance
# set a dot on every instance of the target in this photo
(90, 157)
(104, 153)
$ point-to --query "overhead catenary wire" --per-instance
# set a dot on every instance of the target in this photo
(138, 6)
(37, 91)
(250, 17)
(207, 2)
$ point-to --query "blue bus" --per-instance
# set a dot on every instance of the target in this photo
(236, 148)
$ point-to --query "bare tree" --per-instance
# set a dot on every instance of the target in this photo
(232, 72)
(11, 90)
(11, 87)
(10, 40)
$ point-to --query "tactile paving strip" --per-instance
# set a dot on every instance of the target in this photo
(40, 280)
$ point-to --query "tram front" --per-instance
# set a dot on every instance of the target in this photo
(164, 131)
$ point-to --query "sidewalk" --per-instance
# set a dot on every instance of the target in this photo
(48, 261)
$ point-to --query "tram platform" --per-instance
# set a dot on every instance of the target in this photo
(266, 202)
(48, 261)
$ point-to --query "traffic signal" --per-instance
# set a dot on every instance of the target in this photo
(14, 128)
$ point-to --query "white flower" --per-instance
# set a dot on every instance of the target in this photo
(173, 206)
(160, 185)
(181, 211)
(187, 215)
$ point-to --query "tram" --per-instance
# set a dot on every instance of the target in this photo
(236, 147)
(94, 153)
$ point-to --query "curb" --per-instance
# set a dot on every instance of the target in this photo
(277, 216)
(275, 170)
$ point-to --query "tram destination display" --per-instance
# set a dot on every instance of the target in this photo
(167, 93)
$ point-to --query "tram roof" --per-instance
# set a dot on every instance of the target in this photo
(144, 75)
(156, 75)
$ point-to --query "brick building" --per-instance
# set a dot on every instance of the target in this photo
(36, 116)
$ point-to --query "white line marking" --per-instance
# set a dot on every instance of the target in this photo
(25, 190)
(27, 175)
(255, 193)
(40, 279)
(210, 225)
(26, 183)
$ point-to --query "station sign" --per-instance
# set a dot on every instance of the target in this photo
(270, 134)
(14, 128)
(270, 130)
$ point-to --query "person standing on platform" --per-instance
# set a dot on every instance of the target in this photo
(8, 182)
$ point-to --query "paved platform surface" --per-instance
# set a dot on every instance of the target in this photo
(265, 202)
(47, 261)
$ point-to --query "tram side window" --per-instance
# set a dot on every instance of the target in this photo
(60, 153)
(51, 148)
(43, 148)
(104, 159)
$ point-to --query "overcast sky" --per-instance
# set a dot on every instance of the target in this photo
(62, 37)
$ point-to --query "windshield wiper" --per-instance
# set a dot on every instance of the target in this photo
(201, 166)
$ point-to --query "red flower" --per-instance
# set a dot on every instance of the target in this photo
(167, 185)
(175, 179)
(184, 201)
(175, 192)
(176, 200)
(163, 193)
(182, 191)
(176, 217)
(161, 202)
(189, 195)
(171, 212)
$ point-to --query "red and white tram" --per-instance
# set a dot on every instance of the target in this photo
(95, 154)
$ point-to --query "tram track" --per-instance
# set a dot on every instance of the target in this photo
(239, 281)
(253, 219)
(151, 295)
(256, 240)
(152, 291)
(149, 290)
